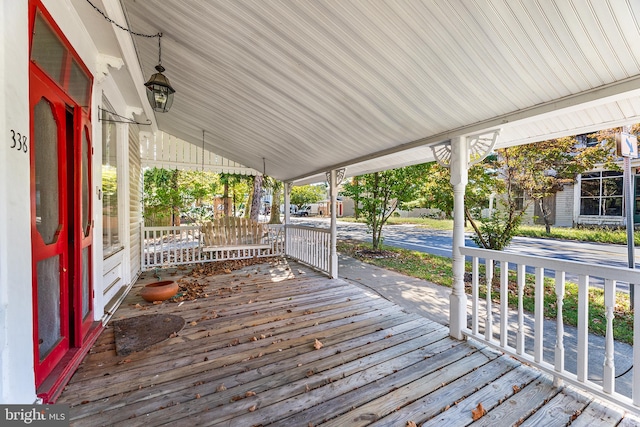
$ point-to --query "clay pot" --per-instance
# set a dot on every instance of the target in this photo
(159, 291)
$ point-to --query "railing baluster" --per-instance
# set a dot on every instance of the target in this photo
(609, 363)
(475, 272)
(583, 328)
(504, 302)
(520, 268)
(583, 272)
(538, 346)
(635, 391)
(559, 350)
(488, 325)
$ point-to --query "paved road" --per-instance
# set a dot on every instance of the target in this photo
(439, 242)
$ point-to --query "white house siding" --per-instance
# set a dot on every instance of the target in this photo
(16, 341)
(564, 207)
(135, 197)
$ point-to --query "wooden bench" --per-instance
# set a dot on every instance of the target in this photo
(233, 233)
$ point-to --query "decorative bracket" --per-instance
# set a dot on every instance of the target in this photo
(121, 119)
(339, 176)
(480, 146)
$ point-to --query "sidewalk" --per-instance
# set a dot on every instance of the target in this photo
(432, 301)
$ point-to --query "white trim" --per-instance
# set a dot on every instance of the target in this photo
(17, 378)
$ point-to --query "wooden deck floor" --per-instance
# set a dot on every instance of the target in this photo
(246, 357)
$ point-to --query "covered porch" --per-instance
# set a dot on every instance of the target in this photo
(277, 343)
(297, 91)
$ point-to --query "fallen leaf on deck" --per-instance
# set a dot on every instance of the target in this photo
(198, 396)
(228, 271)
(221, 387)
(478, 412)
(318, 345)
(250, 393)
(411, 424)
(194, 323)
(157, 302)
(122, 362)
(253, 408)
(516, 389)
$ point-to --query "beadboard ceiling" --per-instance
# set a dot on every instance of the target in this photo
(297, 87)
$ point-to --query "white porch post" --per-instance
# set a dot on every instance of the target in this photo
(287, 215)
(287, 202)
(459, 178)
(334, 227)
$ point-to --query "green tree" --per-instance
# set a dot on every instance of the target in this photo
(306, 194)
(381, 193)
(170, 193)
(161, 196)
(542, 169)
(436, 191)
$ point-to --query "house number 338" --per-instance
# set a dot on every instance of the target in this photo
(18, 141)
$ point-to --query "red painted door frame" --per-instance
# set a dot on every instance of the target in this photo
(75, 231)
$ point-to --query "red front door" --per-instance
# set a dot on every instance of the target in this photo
(61, 227)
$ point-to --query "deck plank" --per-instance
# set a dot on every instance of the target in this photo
(438, 356)
(429, 405)
(297, 392)
(491, 395)
(255, 331)
(559, 411)
(521, 405)
(598, 414)
(381, 407)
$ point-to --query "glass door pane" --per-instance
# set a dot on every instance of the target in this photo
(49, 327)
(46, 172)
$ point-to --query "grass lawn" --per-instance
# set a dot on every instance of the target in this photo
(437, 269)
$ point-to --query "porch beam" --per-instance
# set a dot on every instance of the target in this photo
(459, 179)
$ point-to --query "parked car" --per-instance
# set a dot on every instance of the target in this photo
(303, 211)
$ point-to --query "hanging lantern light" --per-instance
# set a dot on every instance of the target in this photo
(159, 90)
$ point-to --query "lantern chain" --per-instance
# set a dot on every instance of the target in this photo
(111, 21)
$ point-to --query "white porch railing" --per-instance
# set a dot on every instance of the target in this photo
(180, 245)
(509, 337)
(309, 245)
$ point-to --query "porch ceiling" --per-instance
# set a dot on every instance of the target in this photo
(305, 86)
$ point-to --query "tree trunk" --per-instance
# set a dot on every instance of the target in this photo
(175, 210)
(257, 198)
(225, 198)
(545, 216)
(247, 206)
(275, 206)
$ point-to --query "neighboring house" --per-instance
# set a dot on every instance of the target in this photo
(595, 199)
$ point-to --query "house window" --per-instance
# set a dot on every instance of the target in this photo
(110, 220)
(601, 193)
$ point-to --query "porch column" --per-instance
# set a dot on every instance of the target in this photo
(459, 179)
(333, 268)
(287, 202)
(287, 215)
